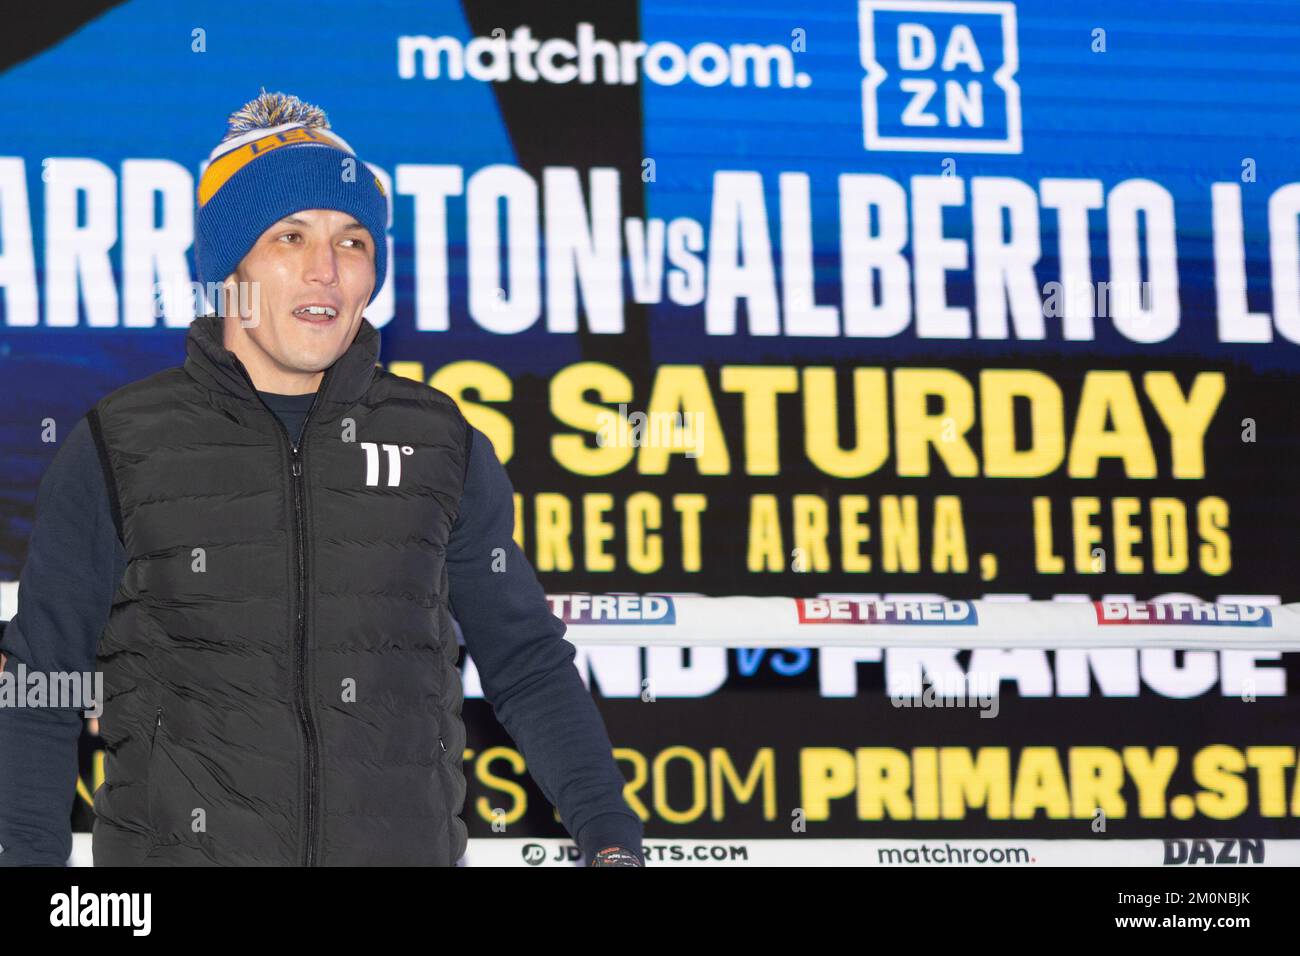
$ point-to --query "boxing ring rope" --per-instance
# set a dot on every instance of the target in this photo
(674, 620)
(778, 622)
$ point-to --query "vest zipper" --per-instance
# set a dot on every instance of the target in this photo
(306, 720)
(300, 663)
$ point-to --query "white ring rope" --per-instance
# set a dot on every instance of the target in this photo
(778, 622)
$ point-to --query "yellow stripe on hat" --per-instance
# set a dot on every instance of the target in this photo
(220, 170)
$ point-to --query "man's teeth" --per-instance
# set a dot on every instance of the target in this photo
(316, 310)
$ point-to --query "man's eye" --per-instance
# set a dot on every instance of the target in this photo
(361, 243)
(288, 234)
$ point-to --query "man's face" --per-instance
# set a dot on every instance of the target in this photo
(320, 257)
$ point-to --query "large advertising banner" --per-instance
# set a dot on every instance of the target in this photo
(920, 302)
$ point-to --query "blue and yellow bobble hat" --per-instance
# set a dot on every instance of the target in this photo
(279, 156)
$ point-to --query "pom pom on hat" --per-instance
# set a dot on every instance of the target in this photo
(274, 109)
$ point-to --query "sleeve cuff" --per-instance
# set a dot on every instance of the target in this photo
(610, 829)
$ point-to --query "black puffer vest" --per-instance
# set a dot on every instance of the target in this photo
(279, 664)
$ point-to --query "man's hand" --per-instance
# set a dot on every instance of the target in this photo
(615, 856)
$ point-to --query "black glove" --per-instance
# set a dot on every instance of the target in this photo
(616, 856)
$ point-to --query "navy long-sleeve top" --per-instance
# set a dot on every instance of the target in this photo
(75, 563)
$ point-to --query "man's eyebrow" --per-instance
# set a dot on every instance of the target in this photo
(295, 221)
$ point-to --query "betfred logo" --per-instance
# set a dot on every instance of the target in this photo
(613, 608)
(922, 613)
(1182, 612)
(939, 76)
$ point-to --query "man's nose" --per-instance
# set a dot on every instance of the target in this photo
(321, 265)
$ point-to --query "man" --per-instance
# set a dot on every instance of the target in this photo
(263, 550)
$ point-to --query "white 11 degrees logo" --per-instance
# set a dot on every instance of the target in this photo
(394, 462)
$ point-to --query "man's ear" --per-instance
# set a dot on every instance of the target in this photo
(229, 295)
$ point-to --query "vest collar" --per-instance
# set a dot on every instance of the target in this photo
(217, 368)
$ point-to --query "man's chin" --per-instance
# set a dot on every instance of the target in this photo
(315, 343)
(306, 359)
(309, 364)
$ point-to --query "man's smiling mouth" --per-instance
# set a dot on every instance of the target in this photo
(316, 313)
